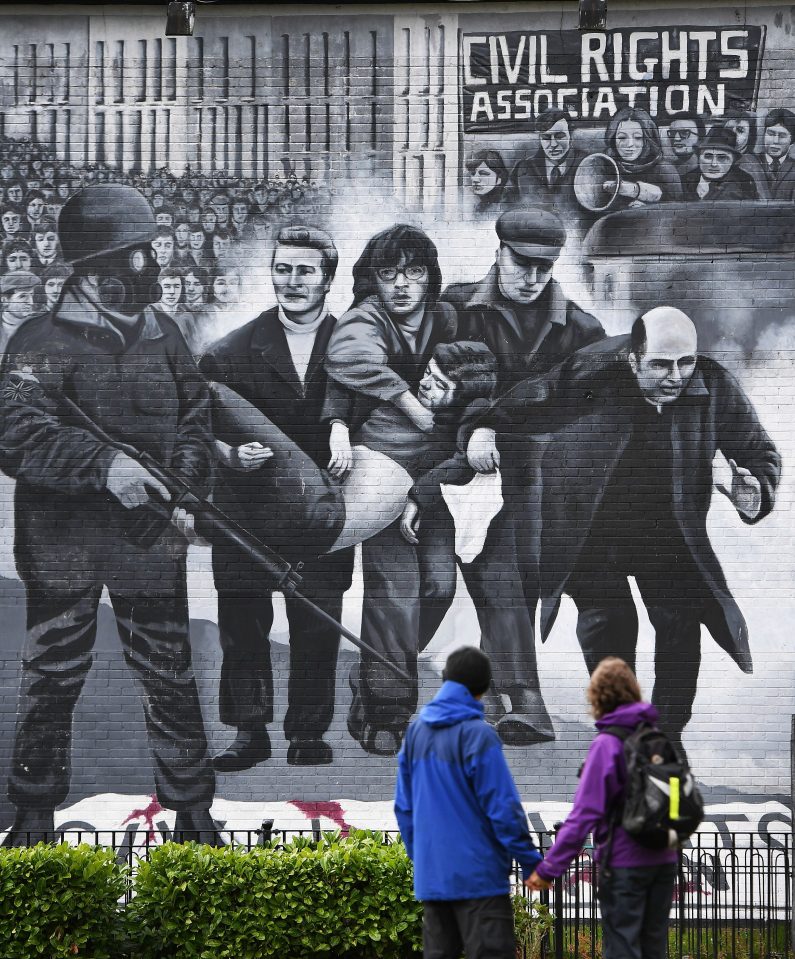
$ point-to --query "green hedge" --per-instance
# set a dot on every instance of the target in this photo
(344, 899)
(349, 898)
(60, 901)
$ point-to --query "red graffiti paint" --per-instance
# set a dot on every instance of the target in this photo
(323, 810)
(147, 814)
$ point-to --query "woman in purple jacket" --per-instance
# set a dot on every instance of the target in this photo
(636, 891)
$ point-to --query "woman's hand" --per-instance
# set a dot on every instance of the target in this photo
(410, 522)
(251, 456)
(341, 453)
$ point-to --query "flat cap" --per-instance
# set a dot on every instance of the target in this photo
(532, 233)
(19, 280)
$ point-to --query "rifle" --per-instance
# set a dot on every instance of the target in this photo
(211, 524)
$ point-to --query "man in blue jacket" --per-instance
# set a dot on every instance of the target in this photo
(461, 818)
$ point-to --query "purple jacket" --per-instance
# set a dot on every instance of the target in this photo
(601, 783)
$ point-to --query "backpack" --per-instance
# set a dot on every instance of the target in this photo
(661, 796)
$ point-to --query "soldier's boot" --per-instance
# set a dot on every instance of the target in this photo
(196, 825)
(528, 721)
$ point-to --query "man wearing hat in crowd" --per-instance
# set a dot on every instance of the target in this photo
(520, 312)
(778, 166)
(17, 300)
(548, 174)
(717, 176)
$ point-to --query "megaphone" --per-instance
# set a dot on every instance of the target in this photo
(589, 182)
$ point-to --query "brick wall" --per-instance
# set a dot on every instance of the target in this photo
(350, 121)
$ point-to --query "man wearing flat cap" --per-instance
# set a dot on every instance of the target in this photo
(778, 166)
(17, 300)
(717, 175)
(520, 312)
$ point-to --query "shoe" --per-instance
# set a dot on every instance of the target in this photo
(309, 752)
(31, 826)
(378, 740)
(528, 721)
(250, 748)
(196, 825)
(493, 706)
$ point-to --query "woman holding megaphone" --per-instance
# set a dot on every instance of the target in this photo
(632, 171)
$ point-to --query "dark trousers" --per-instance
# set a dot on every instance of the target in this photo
(393, 618)
(501, 592)
(61, 631)
(607, 623)
(635, 904)
(245, 617)
(480, 928)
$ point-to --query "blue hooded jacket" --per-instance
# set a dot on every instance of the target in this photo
(457, 805)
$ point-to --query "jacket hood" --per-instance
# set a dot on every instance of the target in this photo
(630, 715)
(452, 704)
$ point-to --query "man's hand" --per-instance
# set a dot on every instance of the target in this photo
(536, 884)
(184, 522)
(341, 453)
(746, 491)
(482, 453)
(251, 456)
(410, 522)
(131, 483)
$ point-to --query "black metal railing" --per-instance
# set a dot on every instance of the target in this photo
(733, 897)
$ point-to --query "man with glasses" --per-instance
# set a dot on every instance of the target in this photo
(778, 166)
(549, 173)
(520, 312)
(684, 133)
(377, 356)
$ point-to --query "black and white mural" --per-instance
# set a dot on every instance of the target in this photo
(332, 343)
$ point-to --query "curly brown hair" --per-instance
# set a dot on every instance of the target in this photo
(612, 685)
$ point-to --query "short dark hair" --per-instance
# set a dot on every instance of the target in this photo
(310, 238)
(781, 118)
(45, 225)
(171, 273)
(14, 246)
(222, 234)
(386, 249)
(199, 272)
(701, 127)
(638, 337)
(548, 118)
(163, 231)
(469, 666)
(490, 158)
(471, 366)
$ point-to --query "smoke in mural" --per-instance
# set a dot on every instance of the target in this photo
(328, 346)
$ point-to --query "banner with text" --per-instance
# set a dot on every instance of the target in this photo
(509, 78)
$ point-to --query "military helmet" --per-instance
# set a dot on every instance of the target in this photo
(104, 219)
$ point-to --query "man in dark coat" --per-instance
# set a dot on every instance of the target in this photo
(520, 312)
(547, 176)
(80, 505)
(275, 362)
(717, 175)
(777, 164)
(628, 479)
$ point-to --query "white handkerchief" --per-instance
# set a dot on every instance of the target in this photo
(473, 507)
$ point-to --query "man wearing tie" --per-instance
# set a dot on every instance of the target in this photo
(548, 175)
(275, 362)
(778, 166)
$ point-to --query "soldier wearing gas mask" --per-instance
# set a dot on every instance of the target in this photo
(79, 503)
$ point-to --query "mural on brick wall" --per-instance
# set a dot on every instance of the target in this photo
(329, 346)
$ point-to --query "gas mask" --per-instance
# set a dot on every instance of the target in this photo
(125, 280)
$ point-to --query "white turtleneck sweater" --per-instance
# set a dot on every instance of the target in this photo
(301, 340)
